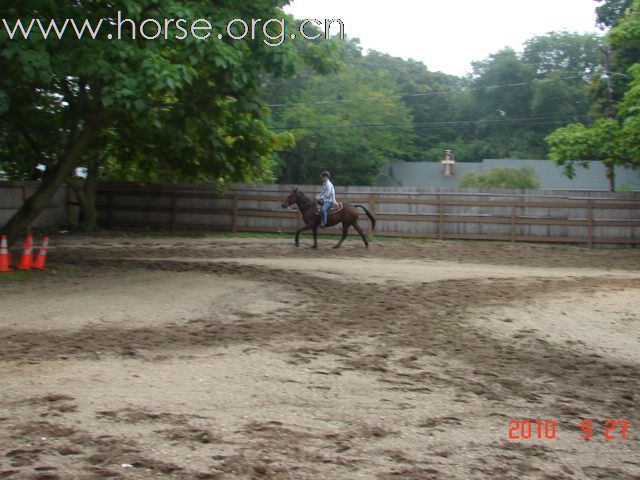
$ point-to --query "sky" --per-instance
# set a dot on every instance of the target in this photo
(448, 35)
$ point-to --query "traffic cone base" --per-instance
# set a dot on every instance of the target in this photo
(5, 258)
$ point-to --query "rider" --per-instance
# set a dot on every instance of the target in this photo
(327, 196)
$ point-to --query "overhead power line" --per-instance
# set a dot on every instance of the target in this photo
(539, 120)
(425, 94)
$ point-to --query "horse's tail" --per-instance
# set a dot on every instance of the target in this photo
(371, 217)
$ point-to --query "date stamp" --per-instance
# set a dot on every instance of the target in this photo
(548, 429)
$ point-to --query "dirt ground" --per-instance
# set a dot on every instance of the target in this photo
(243, 358)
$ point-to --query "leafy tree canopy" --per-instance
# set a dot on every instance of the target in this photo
(613, 140)
(349, 123)
(165, 108)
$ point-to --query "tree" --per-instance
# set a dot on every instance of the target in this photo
(577, 56)
(611, 12)
(346, 133)
(614, 141)
(511, 178)
(350, 123)
(500, 104)
(625, 34)
(575, 143)
(181, 107)
(432, 97)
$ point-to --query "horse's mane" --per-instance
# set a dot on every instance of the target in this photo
(304, 198)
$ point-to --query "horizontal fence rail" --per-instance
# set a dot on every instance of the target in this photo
(531, 217)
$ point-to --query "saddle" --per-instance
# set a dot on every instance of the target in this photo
(336, 207)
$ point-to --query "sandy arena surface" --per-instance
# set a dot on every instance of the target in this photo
(237, 358)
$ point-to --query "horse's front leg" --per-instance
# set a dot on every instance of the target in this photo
(315, 236)
(306, 227)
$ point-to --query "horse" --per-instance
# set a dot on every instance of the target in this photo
(348, 216)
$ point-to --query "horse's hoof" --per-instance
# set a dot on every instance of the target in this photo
(336, 246)
(314, 246)
(297, 244)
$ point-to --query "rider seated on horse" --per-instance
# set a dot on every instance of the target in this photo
(327, 197)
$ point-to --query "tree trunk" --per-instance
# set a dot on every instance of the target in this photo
(611, 175)
(90, 193)
(20, 222)
(86, 194)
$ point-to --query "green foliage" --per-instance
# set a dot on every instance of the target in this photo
(509, 178)
(197, 110)
(574, 143)
(432, 97)
(167, 109)
(519, 99)
(611, 12)
(621, 17)
(338, 124)
(504, 110)
(572, 54)
(615, 141)
(627, 30)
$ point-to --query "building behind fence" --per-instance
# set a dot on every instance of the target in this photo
(593, 217)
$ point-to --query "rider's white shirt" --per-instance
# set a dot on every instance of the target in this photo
(328, 193)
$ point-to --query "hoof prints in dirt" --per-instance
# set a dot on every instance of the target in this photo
(103, 456)
(79, 454)
(428, 320)
(391, 320)
(131, 415)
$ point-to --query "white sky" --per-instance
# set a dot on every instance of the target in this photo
(447, 35)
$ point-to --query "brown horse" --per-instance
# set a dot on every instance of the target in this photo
(348, 216)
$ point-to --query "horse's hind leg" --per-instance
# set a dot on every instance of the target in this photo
(345, 229)
(359, 230)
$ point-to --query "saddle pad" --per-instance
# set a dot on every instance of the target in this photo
(336, 207)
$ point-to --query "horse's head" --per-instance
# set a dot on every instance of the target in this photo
(292, 199)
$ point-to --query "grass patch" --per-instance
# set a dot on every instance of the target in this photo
(17, 276)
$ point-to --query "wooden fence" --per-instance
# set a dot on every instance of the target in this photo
(60, 208)
(539, 216)
(569, 217)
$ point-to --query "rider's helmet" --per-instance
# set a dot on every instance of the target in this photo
(325, 174)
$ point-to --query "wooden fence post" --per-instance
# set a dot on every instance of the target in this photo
(234, 214)
(513, 222)
(440, 219)
(67, 203)
(590, 223)
(173, 211)
(109, 209)
(373, 201)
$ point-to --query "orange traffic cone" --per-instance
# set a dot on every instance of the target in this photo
(26, 262)
(42, 255)
(5, 258)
